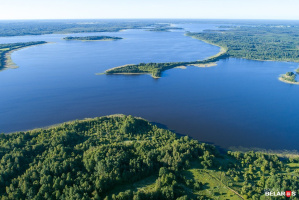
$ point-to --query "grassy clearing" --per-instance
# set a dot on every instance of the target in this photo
(212, 187)
(146, 184)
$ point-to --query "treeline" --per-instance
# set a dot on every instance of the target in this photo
(6, 48)
(155, 69)
(93, 38)
(259, 42)
(15, 28)
(96, 158)
(86, 159)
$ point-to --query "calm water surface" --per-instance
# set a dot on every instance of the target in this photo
(237, 103)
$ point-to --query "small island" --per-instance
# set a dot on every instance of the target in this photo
(7, 49)
(289, 77)
(164, 29)
(93, 38)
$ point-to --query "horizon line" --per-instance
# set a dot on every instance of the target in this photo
(150, 19)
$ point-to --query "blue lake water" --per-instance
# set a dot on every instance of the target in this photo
(237, 103)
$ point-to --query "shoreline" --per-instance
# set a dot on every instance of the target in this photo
(8, 62)
(119, 67)
(67, 122)
(222, 49)
(279, 152)
(132, 73)
(212, 64)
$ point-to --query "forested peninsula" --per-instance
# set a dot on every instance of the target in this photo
(93, 38)
(156, 69)
(7, 49)
(263, 42)
(123, 157)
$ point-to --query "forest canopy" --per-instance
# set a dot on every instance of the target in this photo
(256, 42)
(40, 27)
(123, 157)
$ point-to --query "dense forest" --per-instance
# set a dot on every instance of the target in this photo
(121, 157)
(6, 48)
(258, 42)
(93, 38)
(39, 27)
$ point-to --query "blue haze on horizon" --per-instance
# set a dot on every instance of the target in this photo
(195, 9)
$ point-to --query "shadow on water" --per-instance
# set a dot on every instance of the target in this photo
(163, 126)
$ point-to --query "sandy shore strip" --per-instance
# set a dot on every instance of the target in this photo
(205, 65)
(289, 82)
(181, 67)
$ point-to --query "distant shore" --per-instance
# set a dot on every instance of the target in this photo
(93, 38)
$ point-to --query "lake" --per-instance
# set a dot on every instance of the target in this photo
(236, 103)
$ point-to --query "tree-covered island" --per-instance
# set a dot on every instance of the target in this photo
(93, 38)
(163, 28)
(289, 77)
(122, 157)
(7, 49)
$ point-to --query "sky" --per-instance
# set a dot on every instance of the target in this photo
(110, 9)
